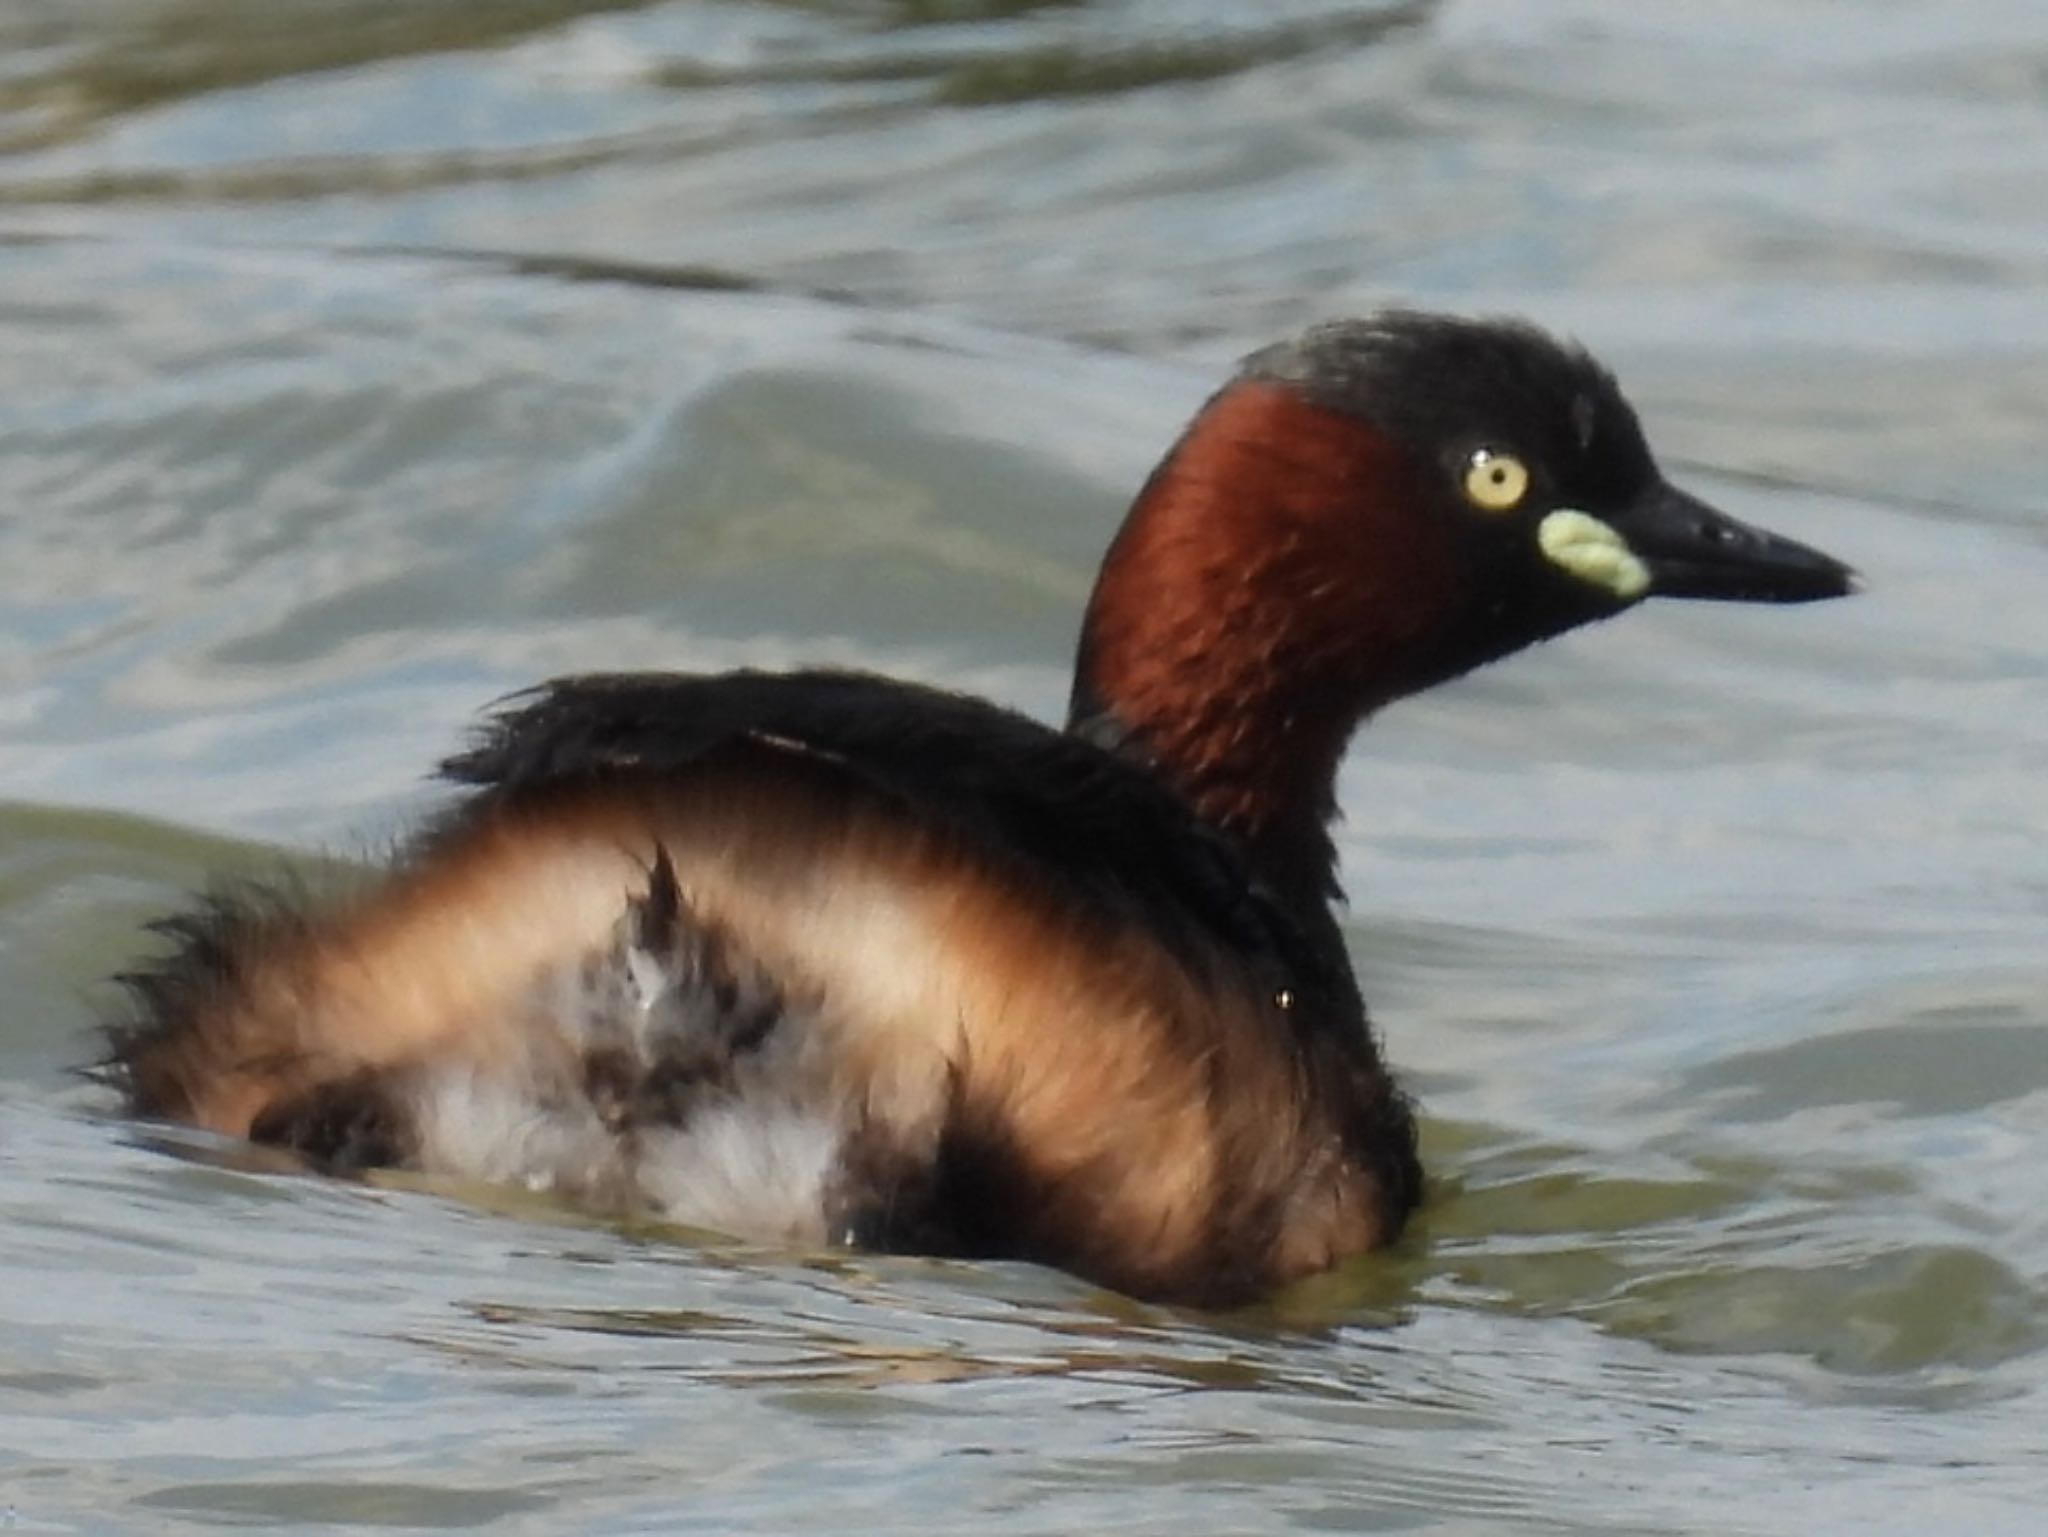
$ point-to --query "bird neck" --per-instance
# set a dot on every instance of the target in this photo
(1270, 587)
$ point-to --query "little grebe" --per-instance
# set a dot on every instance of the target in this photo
(834, 959)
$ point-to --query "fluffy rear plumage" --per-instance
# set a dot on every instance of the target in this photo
(816, 959)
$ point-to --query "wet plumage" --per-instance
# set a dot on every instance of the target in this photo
(830, 958)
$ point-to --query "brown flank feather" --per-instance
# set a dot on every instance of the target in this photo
(1077, 1087)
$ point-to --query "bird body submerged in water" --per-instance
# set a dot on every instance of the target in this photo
(828, 958)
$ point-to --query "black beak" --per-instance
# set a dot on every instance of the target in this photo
(1693, 551)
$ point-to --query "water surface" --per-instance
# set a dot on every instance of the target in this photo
(360, 362)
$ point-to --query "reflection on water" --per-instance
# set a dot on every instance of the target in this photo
(130, 58)
(366, 361)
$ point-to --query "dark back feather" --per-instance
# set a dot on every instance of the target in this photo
(1094, 821)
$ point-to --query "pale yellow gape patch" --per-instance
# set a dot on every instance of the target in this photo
(1593, 552)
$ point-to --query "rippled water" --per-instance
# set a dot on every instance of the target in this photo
(360, 361)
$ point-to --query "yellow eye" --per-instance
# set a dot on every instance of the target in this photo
(1495, 482)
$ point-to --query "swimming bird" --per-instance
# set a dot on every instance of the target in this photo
(828, 958)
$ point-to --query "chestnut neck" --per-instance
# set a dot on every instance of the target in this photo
(1271, 586)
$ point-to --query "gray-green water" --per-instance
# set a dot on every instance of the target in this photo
(360, 361)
